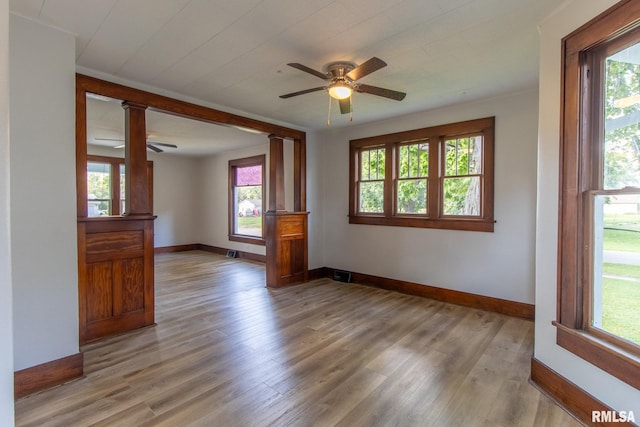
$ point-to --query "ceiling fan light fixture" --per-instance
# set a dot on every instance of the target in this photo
(340, 91)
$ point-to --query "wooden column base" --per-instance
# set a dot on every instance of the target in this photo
(287, 262)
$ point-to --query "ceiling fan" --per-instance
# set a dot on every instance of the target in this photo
(151, 145)
(342, 77)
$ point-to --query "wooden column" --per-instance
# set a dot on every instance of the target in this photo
(299, 175)
(276, 173)
(81, 152)
(135, 136)
(286, 232)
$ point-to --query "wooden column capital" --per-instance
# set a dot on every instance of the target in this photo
(128, 104)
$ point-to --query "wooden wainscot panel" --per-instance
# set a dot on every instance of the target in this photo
(291, 227)
(111, 243)
(131, 285)
(99, 291)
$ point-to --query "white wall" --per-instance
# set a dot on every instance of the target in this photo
(43, 200)
(601, 385)
(315, 202)
(498, 264)
(6, 321)
(175, 198)
(214, 189)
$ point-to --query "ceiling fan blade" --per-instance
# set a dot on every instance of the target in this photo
(301, 92)
(379, 91)
(345, 105)
(306, 69)
(162, 144)
(366, 68)
(154, 148)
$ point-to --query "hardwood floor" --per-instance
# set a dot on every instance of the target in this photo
(226, 351)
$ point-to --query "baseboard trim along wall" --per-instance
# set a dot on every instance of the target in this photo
(208, 248)
(497, 305)
(572, 398)
(176, 248)
(47, 375)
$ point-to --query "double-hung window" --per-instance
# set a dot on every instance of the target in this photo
(246, 201)
(412, 181)
(599, 225)
(371, 180)
(437, 177)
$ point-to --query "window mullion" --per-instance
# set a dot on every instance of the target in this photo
(390, 174)
(433, 184)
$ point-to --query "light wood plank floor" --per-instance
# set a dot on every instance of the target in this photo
(226, 351)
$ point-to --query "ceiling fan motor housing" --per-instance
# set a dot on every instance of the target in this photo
(338, 70)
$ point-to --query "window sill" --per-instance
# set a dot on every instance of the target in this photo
(610, 358)
(247, 239)
(449, 224)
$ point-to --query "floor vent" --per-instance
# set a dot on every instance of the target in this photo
(342, 276)
(231, 253)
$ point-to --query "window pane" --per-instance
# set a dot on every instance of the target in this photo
(372, 163)
(371, 197)
(475, 155)
(248, 208)
(412, 196)
(98, 188)
(463, 156)
(622, 117)
(249, 175)
(616, 287)
(451, 158)
(462, 196)
(413, 160)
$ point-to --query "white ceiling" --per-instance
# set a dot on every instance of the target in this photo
(234, 53)
(105, 127)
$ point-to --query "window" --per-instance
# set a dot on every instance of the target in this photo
(437, 177)
(106, 183)
(99, 189)
(462, 176)
(246, 202)
(371, 180)
(413, 173)
(599, 233)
